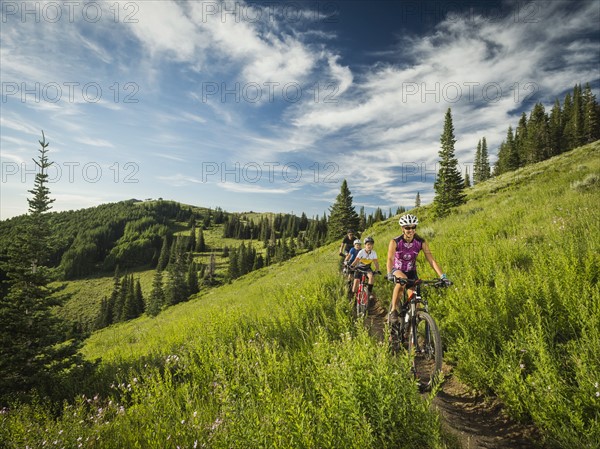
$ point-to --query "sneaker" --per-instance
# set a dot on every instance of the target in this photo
(393, 316)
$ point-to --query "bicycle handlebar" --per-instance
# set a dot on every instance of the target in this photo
(437, 283)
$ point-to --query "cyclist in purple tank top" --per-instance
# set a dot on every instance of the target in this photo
(402, 258)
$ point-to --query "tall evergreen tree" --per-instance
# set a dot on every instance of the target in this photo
(555, 129)
(521, 139)
(192, 278)
(362, 220)
(342, 215)
(477, 164)
(467, 183)
(176, 290)
(34, 350)
(484, 161)
(449, 183)
(591, 121)
(538, 135)
(165, 255)
(129, 311)
(512, 159)
(192, 241)
(200, 242)
(156, 300)
(417, 201)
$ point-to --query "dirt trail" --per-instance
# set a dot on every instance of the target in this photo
(474, 420)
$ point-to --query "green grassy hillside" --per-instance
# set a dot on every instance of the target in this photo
(274, 359)
(523, 318)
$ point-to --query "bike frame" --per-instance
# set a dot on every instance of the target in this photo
(362, 295)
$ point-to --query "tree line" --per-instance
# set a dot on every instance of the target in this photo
(540, 135)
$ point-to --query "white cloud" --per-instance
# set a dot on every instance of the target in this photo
(94, 142)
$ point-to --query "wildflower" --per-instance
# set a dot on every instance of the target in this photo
(598, 394)
(216, 424)
(522, 366)
(183, 421)
(195, 414)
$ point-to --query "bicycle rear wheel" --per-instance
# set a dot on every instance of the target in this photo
(425, 346)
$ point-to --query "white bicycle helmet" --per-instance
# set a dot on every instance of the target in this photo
(408, 220)
(357, 242)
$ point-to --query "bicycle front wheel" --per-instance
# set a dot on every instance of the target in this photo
(425, 346)
(362, 302)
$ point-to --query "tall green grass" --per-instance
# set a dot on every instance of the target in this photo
(523, 318)
(271, 361)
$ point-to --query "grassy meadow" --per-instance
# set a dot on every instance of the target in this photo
(522, 320)
(274, 360)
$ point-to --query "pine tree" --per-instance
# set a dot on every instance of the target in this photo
(362, 220)
(477, 164)
(484, 161)
(538, 135)
(467, 183)
(157, 296)
(129, 306)
(521, 139)
(34, 351)
(176, 291)
(192, 241)
(556, 130)
(119, 313)
(342, 216)
(591, 121)
(140, 304)
(103, 321)
(449, 183)
(200, 243)
(567, 112)
(192, 278)
(500, 166)
(417, 202)
(512, 159)
(165, 255)
(234, 266)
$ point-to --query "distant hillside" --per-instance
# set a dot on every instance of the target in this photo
(130, 234)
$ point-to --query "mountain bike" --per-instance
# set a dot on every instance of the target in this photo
(362, 293)
(417, 331)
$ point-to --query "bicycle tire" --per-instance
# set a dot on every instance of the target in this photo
(425, 347)
(395, 338)
(362, 302)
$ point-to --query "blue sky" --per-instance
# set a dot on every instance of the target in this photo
(267, 106)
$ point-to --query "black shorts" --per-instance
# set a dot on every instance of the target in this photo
(358, 272)
(412, 274)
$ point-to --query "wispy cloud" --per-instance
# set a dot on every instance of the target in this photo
(377, 121)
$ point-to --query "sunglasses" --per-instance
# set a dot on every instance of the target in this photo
(409, 228)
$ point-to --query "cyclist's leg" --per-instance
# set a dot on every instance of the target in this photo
(356, 281)
(398, 288)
